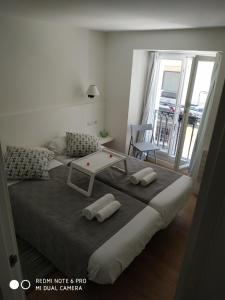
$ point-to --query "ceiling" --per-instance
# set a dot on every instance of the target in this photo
(113, 15)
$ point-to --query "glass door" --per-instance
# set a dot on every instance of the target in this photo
(170, 98)
(196, 97)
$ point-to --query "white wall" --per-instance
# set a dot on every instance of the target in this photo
(38, 127)
(47, 67)
(45, 70)
(120, 46)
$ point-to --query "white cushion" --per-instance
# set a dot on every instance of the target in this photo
(57, 145)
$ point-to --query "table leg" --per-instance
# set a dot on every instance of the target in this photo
(123, 170)
(77, 188)
(91, 183)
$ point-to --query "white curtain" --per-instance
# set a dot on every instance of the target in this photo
(202, 131)
(148, 111)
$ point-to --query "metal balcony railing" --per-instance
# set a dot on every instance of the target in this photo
(166, 133)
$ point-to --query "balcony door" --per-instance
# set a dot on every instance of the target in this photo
(172, 83)
(182, 88)
(196, 97)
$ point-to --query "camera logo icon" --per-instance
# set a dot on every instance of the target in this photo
(24, 284)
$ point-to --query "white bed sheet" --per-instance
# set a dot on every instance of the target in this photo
(172, 199)
(109, 261)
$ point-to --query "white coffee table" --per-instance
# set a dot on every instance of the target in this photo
(93, 164)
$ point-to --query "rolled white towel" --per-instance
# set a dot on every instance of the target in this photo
(107, 211)
(90, 211)
(146, 180)
(136, 177)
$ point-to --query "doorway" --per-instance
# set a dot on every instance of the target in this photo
(182, 86)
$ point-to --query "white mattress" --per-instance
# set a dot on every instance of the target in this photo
(109, 261)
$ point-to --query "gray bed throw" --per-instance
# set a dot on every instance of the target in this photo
(47, 214)
(118, 180)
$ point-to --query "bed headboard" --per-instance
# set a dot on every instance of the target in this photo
(35, 128)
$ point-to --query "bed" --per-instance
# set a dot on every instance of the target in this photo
(168, 201)
(117, 250)
(167, 194)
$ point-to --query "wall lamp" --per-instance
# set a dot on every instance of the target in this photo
(92, 91)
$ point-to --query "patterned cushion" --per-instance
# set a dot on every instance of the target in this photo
(80, 144)
(27, 163)
(50, 154)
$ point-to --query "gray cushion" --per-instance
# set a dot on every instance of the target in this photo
(27, 163)
(81, 144)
